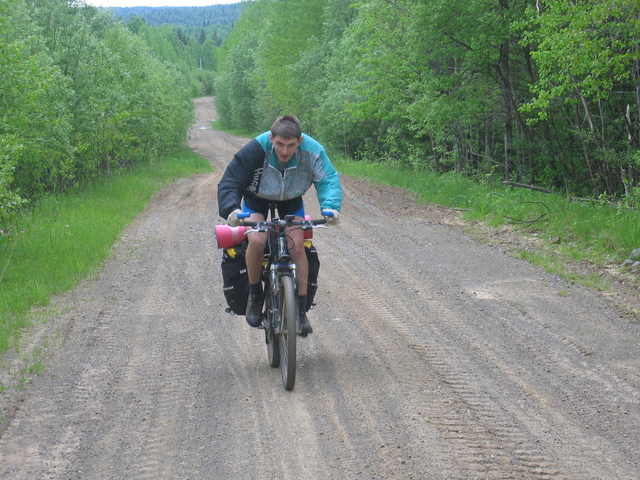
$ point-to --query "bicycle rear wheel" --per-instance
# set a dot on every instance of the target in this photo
(287, 340)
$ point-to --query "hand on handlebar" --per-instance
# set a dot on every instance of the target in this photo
(331, 216)
(233, 220)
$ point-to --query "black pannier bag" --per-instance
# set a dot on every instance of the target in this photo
(314, 268)
(235, 282)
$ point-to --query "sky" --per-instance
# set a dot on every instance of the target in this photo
(158, 3)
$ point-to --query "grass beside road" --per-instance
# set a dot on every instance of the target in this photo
(574, 231)
(65, 238)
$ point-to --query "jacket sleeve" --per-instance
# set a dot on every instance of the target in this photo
(329, 188)
(237, 177)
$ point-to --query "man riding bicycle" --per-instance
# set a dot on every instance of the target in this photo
(278, 166)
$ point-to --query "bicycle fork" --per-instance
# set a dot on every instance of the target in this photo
(276, 286)
(282, 266)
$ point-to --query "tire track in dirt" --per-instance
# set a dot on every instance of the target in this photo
(475, 434)
(501, 413)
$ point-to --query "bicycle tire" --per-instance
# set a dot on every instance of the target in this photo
(272, 340)
(288, 311)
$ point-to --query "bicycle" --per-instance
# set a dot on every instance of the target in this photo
(280, 293)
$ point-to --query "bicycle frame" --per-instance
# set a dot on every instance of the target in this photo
(280, 294)
(278, 264)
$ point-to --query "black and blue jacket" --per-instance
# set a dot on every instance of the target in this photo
(254, 171)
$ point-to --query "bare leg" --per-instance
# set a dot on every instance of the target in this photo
(299, 257)
(255, 251)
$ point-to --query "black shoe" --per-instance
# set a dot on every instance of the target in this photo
(253, 314)
(305, 326)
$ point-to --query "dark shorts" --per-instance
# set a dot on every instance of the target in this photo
(284, 208)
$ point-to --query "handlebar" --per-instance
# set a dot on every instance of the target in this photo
(282, 223)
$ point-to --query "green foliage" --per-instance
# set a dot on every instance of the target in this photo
(198, 17)
(81, 96)
(538, 92)
(327, 79)
(34, 121)
(87, 106)
(257, 78)
(10, 200)
(237, 80)
(285, 32)
(588, 70)
(194, 61)
(187, 37)
(583, 49)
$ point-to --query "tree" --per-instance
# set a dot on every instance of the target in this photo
(81, 96)
(236, 83)
(35, 149)
(288, 27)
(588, 60)
(542, 91)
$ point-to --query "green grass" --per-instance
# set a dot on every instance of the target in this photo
(581, 231)
(65, 238)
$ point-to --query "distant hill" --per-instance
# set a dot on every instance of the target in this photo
(184, 16)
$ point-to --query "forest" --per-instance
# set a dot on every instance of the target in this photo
(540, 92)
(84, 95)
(185, 16)
(215, 21)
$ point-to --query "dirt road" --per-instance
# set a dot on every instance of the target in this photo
(432, 357)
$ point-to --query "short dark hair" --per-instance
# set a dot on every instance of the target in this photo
(286, 126)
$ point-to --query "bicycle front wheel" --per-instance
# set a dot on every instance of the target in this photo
(272, 340)
(288, 311)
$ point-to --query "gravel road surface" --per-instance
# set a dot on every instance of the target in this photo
(433, 356)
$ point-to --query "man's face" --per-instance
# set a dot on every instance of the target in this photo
(285, 147)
